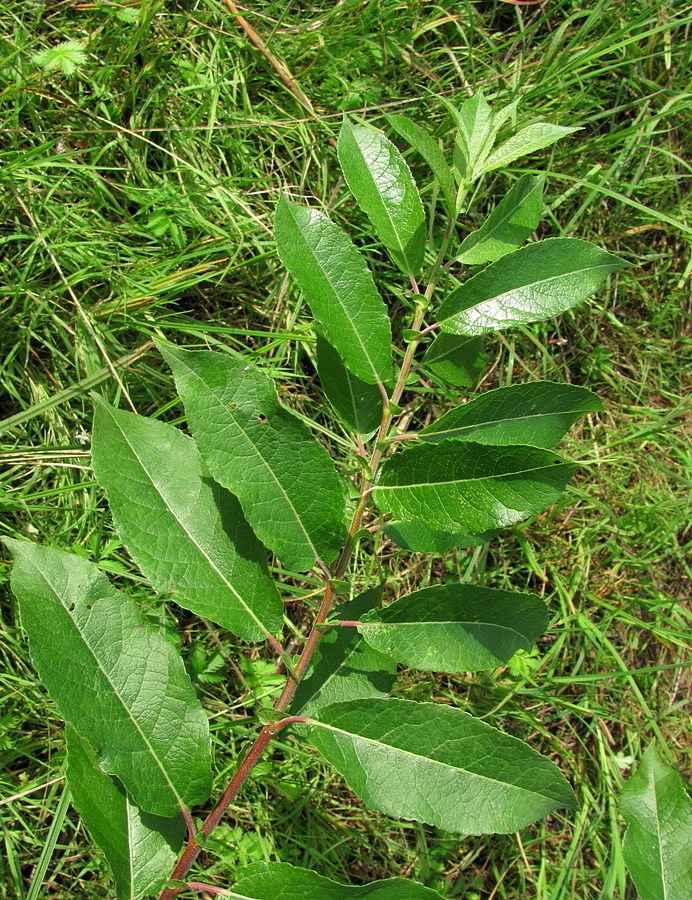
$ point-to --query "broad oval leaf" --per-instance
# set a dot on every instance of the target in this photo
(511, 222)
(187, 535)
(357, 403)
(456, 359)
(344, 666)
(114, 677)
(527, 140)
(536, 414)
(281, 881)
(455, 627)
(468, 488)
(141, 849)
(381, 182)
(439, 765)
(339, 289)
(284, 478)
(421, 538)
(531, 284)
(427, 147)
(657, 846)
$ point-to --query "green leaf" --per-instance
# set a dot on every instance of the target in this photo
(421, 538)
(281, 881)
(436, 764)
(455, 627)
(658, 842)
(528, 285)
(358, 404)
(469, 488)
(285, 480)
(536, 414)
(512, 221)
(114, 677)
(420, 140)
(474, 121)
(381, 182)
(456, 359)
(65, 57)
(187, 535)
(344, 666)
(339, 289)
(141, 849)
(527, 140)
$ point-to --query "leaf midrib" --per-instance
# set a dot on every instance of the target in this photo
(545, 468)
(490, 422)
(462, 622)
(481, 236)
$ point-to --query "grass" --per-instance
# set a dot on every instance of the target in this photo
(137, 195)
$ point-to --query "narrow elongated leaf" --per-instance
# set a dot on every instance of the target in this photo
(474, 121)
(339, 289)
(141, 849)
(527, 140)
(455, 627)
(439, 765)
(455, 359)
(381, 182)
(344, 666)
(188, 536)
(658, 842)
(468, 488)
(511, 222)
(284, 478)
(528, 285)
(114, 677)
(357, 403)
(420, 140)
(281, 881)
(536, 414)
(421, 538)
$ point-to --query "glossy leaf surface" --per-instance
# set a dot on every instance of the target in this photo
(456, 627)
(427, 147)
(141, 849)
(456, 359)
(339, 289)
(187, 535)
(344, 666)
(281, 881)
(421, 538)
(512, 221)
(468, 488)
(531, 284)
(527, 140)
(284, 478)
(114, 677)
(381, 181)
(658, 842)
(537, 414)
(436, 764)
(357, 403)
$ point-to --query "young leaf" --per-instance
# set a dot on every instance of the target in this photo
(356, 402)
(187, 535)
(285, 480)
(455, 359)
(114, 677)
(474, 121)
(421, 538)
(512, 221)
(468, 488)
(658, 842)
(528, 285)
(536, 414)
(339, 289)
(281, 881)
(344, 666)
(420, 140)
(141, 849)
(455, 627)
(439, 765)
(527, 140)
(381, 182)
